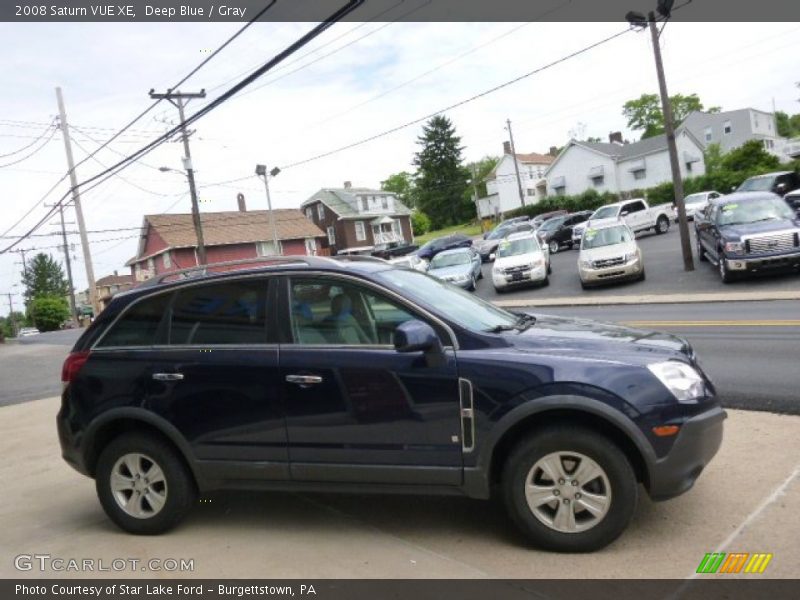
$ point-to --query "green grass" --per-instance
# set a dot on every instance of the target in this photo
(469, 229)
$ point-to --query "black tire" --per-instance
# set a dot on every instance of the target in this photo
(474, 285)
(549, 268)
(701, 253)
(554, 247)
(546, 281)
(642, 276)
(624, 490)
(724, 274)
(662, 225)
(584, 286)
(180, 489)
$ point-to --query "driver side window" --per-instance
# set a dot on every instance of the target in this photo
(332, 312)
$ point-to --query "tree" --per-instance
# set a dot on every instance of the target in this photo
(713, 158)
(645, 113)
(481, 169)
(787, 126)
(49, 312)
(44, 277)
(441, 179)
(420, 223)
(402, 185)
(750, 157)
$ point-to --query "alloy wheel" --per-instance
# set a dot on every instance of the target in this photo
(553, 247)
(568, 491)
(138, 485)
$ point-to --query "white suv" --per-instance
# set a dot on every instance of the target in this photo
(520, 260)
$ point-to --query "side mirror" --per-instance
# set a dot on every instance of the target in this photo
(416, 336)
(486, 235)
(780, 188)
(492, 256)
(624, 213)
(733, 188)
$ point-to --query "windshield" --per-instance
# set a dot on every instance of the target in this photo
(498, 233)
(462, 308)
(517, 247)
(694, 199)
(605, 212)
(450, 260)
(757, 184)
(767, 209)
(608, 236)
(551, 224)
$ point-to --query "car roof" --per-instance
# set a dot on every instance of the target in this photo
(743, 197)
(521, 235)
(773, 174)
(453, 251)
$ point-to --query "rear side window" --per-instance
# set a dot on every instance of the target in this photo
(634, 207)
(224, 313)
(139, 326)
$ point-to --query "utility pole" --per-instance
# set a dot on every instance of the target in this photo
(179, 100)
(11, 313)
(516, 164)
(68, 263)
(76, 200)
(261, 171)
(475, 196)
(669, 129)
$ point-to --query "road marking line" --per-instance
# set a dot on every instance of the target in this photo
(739, 323)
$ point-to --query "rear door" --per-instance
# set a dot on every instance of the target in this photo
(357, 410)
(638, 216)
(214, 376)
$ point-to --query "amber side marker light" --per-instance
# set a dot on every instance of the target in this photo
(666, 430)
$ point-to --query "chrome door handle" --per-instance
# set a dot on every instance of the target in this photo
(304, 380)
(167, 376)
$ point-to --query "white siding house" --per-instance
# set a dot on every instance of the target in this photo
(502, 188)
(617, 167)
(732, 128)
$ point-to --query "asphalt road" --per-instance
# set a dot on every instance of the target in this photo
(749, 349)
(665, 275)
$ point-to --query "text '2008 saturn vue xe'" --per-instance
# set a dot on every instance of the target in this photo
(314, 374)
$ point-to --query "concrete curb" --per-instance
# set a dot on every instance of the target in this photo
(651, 299)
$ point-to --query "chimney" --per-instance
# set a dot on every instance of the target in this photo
(615, 137)
(348, 185)
(553, 151)
(240, 201)
(506, 147)
(115, 273)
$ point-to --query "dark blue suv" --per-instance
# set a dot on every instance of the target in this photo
(314, 374)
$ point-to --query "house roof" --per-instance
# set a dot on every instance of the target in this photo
(114, 280)
(230, 227)
(535, 158)
(649, 145)
(344, 201)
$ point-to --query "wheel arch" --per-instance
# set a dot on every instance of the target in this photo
(125, 420)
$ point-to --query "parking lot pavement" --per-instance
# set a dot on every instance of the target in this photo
(665, 275)
(746, 501)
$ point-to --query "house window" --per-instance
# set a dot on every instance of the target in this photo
(311, 247)
(384, 203)
(397, 229)
(560, 191)
(768, 144)
(268, 249)
(361, 232)
(755, 120)
(331, 236)
(321, 211)
(598, 181)
(364, 203)
(688, 167)
(151, 266)
(640, 174)
(309, 214)
(530, 192)
(726, 127)
(708, 134)
(167, 259)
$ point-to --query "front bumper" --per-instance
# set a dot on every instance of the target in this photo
(464, 284)
(763, 263)
(699, 440)
(629, 270)
(534, 275)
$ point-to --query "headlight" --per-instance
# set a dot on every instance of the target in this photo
(631, 256)
(463, 277)
(734, 247)
(586, 264)
(497, 271)
(683, 381)
(536, 263)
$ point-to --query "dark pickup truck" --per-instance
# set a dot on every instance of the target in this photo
(748, 232)
(393, 249)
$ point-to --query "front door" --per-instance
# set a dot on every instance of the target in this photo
(357, 410)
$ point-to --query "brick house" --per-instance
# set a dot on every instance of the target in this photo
(356, 219)
(168, 241)
(111, 284)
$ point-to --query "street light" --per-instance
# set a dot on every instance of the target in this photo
(261, 171)
(639, 21)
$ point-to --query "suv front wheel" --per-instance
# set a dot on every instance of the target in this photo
(143, 485)
(569, 490)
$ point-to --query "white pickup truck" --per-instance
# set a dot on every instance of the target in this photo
(637, 214)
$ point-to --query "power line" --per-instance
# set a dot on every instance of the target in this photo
(36, 139)
(457, 104)
(34, 152)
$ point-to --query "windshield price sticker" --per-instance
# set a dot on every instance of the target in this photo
(728, 207)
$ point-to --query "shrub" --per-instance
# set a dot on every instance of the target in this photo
(49, 312)
(420, 223)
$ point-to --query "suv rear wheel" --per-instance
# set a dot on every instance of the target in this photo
(569, 490)
(662, 225)
(143, 485)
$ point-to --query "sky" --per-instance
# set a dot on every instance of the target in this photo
(354, 81)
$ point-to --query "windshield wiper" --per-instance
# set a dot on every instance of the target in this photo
(500, 328)
(523, 322)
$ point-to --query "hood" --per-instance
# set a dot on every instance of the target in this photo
(743, 229)
(604, 252)
(516, 260)
(594, 339)
(445, 272)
